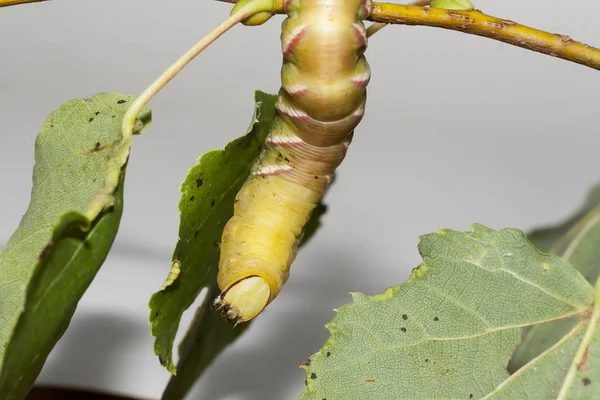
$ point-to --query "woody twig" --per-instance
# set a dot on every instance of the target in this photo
(478, 23)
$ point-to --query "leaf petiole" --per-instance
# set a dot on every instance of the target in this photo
(244, 12)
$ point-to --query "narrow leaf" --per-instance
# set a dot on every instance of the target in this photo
(450, 330)
(66, 233)
(205, 206)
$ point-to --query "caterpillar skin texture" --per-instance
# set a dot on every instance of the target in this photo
(322, 100)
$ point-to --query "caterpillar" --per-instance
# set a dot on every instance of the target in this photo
(321, 100)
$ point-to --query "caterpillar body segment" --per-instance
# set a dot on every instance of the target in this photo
(322, 100)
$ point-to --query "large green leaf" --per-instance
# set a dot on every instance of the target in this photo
(577, 240)
(66, 233)
(449, 331)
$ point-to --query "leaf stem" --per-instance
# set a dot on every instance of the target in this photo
(6, 3)
(477, 23)
(156, 86)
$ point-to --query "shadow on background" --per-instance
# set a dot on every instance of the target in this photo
(70, 364)
(57, 393)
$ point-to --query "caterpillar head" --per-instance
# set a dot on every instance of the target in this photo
(244, 300)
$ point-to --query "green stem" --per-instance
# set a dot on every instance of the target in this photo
(140, 102)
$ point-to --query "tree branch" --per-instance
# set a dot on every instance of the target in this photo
(6, 3)
(477, 23)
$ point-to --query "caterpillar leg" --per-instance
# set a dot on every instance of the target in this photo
(245, 299)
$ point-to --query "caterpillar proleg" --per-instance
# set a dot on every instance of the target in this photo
(322, 99)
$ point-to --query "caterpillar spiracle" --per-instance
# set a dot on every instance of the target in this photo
(321, 101)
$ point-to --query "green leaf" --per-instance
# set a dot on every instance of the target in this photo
(205, 206)
(450, 330)
(66, 233)
(577, 240)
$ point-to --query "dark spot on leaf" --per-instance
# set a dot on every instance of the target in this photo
(212, 203)
(199, 182)
(192, 198)
(404, 317)
(156, 314)
(97, 112)
(328, 354)
(427, 360)
(369, 380)
(313, 376)
(196, 233)
(286, 159)
(436, 319)
(471, 396)
(91, 119)
(306, 363)
(52, 126)
(86, 245)
(114, 116)
(121, 101)
(235, 201)
(97, 146)
(403, 329)
(586, 381)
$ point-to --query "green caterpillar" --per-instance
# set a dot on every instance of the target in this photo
(322, 100)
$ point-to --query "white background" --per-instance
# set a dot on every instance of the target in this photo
(458, 129)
